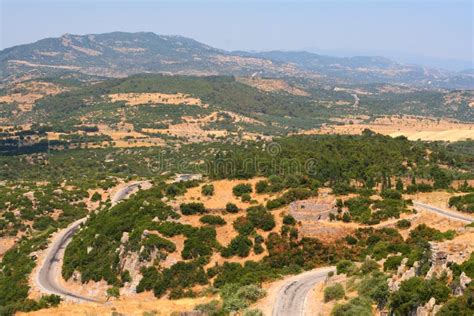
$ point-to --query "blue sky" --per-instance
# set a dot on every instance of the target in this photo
(441, 29)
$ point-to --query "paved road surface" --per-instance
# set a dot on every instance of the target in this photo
(448, 214)
(124, 192)
(49, 273)
(291, 298)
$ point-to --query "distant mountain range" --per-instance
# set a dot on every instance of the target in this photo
(120, 54)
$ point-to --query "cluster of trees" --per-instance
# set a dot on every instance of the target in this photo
(369, 159)
(93, 249)
(290, 196)
(364, 210)
(463, 203)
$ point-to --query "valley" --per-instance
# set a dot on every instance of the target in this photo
(145, 174)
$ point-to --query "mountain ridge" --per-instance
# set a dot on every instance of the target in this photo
(120, 54)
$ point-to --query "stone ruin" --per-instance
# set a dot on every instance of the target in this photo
(312, 209)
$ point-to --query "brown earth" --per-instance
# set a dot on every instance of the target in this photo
(30, 93)
(413, 128)
(272, 85)
(162, 98)
(138, 305)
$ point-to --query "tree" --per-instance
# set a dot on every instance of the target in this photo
(399, 185)
(113, 292)
(261, 186)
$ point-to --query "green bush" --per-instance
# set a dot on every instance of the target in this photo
(417, 291)
(392, 263)
(240, 246)
(289, 220)
(403, 224)
(246, 197)
(359, 306)
(368, 266)
(334, 292)
(212, 220)
(243, 225)
(375, 287)
(212, 308)
(260, 218)
(262, 186)
(345, 266)
(231, 208)
(96, 197)
(241, 189)
(238, 298)
(192, 208)
(207, 190)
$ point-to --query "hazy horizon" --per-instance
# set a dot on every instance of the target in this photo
(436, 33)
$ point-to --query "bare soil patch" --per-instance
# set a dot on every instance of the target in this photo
(139, 304)
(412, 127)
(152, 98)
(272, 85)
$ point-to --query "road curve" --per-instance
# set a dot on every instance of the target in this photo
(291, 298)
(49, 273)
(448, 214)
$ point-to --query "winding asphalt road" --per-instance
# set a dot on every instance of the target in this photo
(292, 296)
(448, 214)
(49, 273)
(291, 299)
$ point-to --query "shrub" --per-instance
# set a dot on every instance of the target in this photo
(415, 292)
(289, 220)
(261, 186)
(359, 306)
(350, 240)
(231, 208)
(113, 292)
(241, 189)
(392, 263)
(207, 190)
(243, 225)
(246, 197)
(192, 208)
(345, 266)
(258, 249)
(240, 246)
(368, 266)
(375, 286)
(334, 292)
(212, 308)
(403, 224)
(391, 194)
(260, 218)
(212, 220)
(96, 197)
(290, 196)
(238, 298)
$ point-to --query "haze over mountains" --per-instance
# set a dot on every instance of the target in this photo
(120, 54)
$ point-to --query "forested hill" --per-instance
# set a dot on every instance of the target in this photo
(120, 54)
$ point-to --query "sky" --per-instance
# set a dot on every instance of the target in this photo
(435, 30)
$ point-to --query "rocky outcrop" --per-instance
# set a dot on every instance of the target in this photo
(403, 273)
(429, 309)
